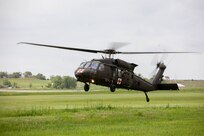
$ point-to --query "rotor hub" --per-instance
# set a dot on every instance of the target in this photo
(110, 51)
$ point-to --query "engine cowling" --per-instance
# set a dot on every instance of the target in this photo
(125, 65)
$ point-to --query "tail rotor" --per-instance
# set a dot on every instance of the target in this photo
(158, 62)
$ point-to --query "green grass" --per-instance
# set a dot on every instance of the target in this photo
(177, 113)
(28, 83)
(24, 83)
(37, 84)
(191, 83)
(104, 120)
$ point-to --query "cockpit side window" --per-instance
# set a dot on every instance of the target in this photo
(101, 67)
(87, 65)
(94, 65)
(82, 65)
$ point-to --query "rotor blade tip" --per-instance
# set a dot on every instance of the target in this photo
(19, 42)
(22, 43)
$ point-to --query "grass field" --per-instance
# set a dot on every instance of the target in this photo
(176, 113)
(28, 83)
(33, 84)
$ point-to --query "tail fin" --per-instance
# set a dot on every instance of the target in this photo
(158, 77)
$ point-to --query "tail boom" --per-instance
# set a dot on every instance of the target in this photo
(167, 87)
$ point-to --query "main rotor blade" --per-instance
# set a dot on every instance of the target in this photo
(152, 52)
(108, 51)
(66, 48)
(117, 45)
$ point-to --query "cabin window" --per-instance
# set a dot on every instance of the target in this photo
(94, 65)
(119, 73)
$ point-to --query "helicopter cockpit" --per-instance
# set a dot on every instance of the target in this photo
(88, 69)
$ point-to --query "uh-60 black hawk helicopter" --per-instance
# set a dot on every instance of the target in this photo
(116, 73)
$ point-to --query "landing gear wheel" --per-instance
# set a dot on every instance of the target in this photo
(86, 87)
(112, 88)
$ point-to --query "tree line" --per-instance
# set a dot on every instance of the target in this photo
(65, 82)
(57, 82)
(26, 74)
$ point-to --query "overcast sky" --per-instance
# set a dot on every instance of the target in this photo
(159, 25)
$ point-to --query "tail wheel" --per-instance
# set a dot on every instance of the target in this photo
(112, 88)
(86, 87)
(147, 98)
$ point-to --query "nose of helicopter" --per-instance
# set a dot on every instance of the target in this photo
(84, 75)
(79, 73)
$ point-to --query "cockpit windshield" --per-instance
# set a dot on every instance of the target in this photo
(92, 65)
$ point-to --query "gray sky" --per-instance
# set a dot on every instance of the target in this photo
(159, 25)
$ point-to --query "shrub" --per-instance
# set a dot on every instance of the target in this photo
(63, 82)
(6, 83)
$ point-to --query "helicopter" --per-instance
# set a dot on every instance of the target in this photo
(116, 73)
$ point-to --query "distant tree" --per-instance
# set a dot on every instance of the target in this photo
(68, 82)
(40, 76)
(57, 82)
(6, 83)
(63, 82)
(27, 74)
(30, 85)
(3, 75)
(15, 85)
(49, 85)
(15, 75)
